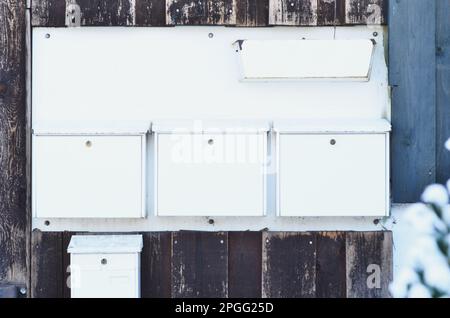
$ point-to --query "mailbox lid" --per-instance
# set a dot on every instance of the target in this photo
(111, 128)
(237, 126)
(363, 125)
(105, 244)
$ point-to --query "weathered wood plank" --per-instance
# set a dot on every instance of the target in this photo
(66, 271)
(47, 280)
(366, 11)
(293, 12)
(52, 13)
(326, 12)
(412, 58)
(150, 12)
(206, 12)
(330, 265)
(369, 264)
(156, 265)
(14, 228)
(289, 265)
(442, 90)
(252, 13)
(244, 264)
(199, 264)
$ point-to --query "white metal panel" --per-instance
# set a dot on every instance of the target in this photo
(95, 244)
(210, 174)
(332, 126)
(305, 59)
(138, 73)
(88, 176)
(317, 178)
(105, 275)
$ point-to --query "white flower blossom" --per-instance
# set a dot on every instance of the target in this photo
(447, 145)
(423, 219)
(436, 194)
(406, 278)
(419, 291)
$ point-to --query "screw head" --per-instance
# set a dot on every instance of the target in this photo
(332, 142)
(375, 34)
(211, 221)
(210, 35)
(47, 36)
(104, 261)
(47, 222)
(23, 291)
(89, 144)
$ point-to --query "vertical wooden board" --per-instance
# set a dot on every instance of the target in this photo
(331, 265)
(150, 12)
(293, 12)
(369, 264)
(326, 12)
(244, 264)
(46, 265)
(206, 12)
(14, 226)
(412, 69)
(156, 265)
(199, 264)
(48, 13)
(66, 271)
(289, 265)
(442, 90)
(366, 11)
(107, 12)
(252, 13)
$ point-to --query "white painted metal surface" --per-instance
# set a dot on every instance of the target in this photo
(88, 176)
(269, 60)
(333, 173)
(105, 266)
(211, 173)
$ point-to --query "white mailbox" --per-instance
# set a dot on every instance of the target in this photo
(96, 172)
(333, 168)
(210, 168)
(105, 266)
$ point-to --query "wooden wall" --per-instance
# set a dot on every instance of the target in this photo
(250, 13)
(419, 60)
(238, 264)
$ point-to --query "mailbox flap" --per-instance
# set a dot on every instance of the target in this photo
(269, 60)
(332, 126)
(238, 126)
(104, 244)
(136, 127)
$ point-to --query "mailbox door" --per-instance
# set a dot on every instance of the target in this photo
(210, 174)
(332, 175)
(88, 176)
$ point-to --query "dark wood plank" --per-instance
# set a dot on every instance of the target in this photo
(289, 265)
(47, 279)
(244, 264)
(293, 12)
(442, 90)
(331, 265)
(150, 12)
(156, 265)
(412, 58)
(252, 13)
(326, 12)
(206, 12)
(371, 12)
(369, 264)
(199, 264)
(14, 226)
(50, 13)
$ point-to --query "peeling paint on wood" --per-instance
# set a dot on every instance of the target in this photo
(293, 12)
(369, 264)
(14, 233)
(150, 12)
(365, 11)
(199, 264)
(326, 12)
(205, 12)
(252, 13)
(289, 265)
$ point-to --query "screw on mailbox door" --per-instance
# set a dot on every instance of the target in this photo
(333, 142)
(88, 144)
(104, 261)
(211, 142)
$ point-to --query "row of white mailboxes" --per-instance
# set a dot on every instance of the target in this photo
(338, 168)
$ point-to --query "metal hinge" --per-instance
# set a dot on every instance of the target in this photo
(73, 14)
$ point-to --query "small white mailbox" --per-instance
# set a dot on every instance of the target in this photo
(96, 172)
(210, 168)
(105, 266)
(333, 168)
